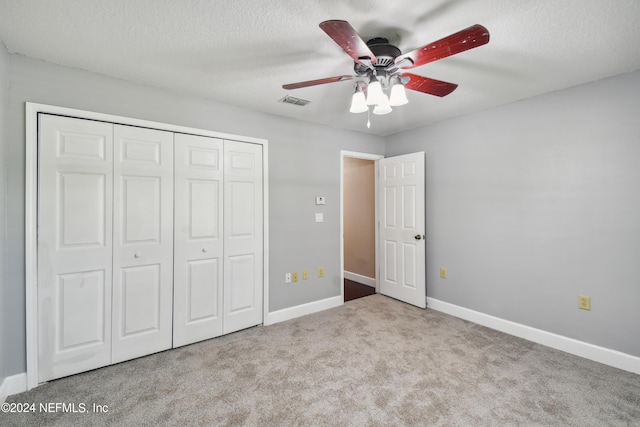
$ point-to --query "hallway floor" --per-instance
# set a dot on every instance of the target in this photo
(354, 290)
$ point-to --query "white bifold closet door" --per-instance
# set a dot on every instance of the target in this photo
(105, 244)
(243, 236)
(74, 245)
(142, 242)
(147, 240)
(218, 280)
(198, 274)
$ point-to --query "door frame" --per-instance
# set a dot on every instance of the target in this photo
(31, 208)
(364, 156)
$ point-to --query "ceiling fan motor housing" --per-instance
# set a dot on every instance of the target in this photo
(385, 54)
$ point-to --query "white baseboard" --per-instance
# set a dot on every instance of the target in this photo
(596, 353)
(13, 385)
(302, 310)
(369, 281)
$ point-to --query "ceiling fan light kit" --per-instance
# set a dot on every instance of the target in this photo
(376, 96)
(379, 66)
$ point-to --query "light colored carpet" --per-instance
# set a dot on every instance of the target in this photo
(374, 361)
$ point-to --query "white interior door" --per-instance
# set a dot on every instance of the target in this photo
(74, 246)
(198, 257)
(143, 242)
(402, 228)
(243, 236)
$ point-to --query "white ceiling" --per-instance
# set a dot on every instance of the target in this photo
(241, 52)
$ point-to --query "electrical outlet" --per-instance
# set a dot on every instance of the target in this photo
(584, 302)
(320, 272)
(443, 273)
(305, 274)
(287, 278)
(294, 277)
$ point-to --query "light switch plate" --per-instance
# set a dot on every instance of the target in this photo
(319, 217)
(319, 200)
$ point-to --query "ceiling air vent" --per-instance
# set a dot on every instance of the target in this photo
(295, 101)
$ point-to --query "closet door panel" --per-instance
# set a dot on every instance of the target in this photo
(202, 299)
(74, 245)
(141, 289)
(243, 236)
(143, 242)
(198, 265)
(242, 272)
(141, 194)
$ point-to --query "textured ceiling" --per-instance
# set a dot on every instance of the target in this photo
(241, 52)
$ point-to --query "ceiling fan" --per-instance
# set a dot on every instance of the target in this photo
(379, 65)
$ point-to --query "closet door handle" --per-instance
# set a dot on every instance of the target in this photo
(204, 249)
(136, 255)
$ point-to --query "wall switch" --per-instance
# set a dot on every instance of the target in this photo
(305, 274)
(319, 200)
(294, 277)
(319, 217)
(584, 302)
(320, 272)
(287, 278)
(443, 273)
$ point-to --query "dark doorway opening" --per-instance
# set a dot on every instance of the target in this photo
(354, 290)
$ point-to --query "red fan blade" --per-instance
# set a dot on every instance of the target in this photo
(346, 37)
(471, 37)
(430, 86)
(317, 82)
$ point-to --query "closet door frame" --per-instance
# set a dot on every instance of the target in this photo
(32, 110)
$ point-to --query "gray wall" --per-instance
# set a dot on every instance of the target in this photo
(4, 101)
(532, 204)
(304, 162)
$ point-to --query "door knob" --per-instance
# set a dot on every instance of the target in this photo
(136, 255)
(419, 237)
(204, 249)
